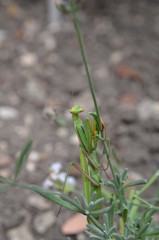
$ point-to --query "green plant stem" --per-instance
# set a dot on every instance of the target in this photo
(80, 39)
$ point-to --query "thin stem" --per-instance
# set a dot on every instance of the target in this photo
(80, 39)
(81, 43)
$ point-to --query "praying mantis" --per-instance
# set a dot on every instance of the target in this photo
(88, 136)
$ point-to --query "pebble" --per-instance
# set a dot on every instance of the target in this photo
(61, 150)
(19, 233)
(34, 156)
(35, 92)
(153, 143)
(116, 57)
(22, 131)
(48, 40)
(4, 160)
(43, 221)
(30, 166)
(38, 202)
(28, 60)
(128, 113)
(62, 132)
(28, 120)
(3, 146)
(101, 73)
(74, 140)
(148, 109)
(5, 173)
(81, 236)
(31, 28)
(48, 148)
(3, 36)
(75, 224)
(7, 113)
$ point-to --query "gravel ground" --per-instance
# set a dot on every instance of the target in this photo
(41, 69)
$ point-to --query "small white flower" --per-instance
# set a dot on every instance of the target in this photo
(71, 181)
(56, 167)
(54, 176)
(62, 176)
(47, 184)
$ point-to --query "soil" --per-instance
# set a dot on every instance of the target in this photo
(42, 69)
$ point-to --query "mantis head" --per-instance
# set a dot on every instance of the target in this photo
(76, 109)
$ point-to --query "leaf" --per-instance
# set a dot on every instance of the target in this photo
(51, 196)
(135, 183)
(153, 233)
(22, 158)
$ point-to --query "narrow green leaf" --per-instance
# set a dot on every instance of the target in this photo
(153, 233)
(22, 158)
(52, 197)
(143, 230)
(124, 175)
(117, 236)
(100, 211)
(135, 183)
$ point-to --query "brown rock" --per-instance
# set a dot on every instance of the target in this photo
(74, 225)
(125, 71)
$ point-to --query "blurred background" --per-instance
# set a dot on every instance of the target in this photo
(42, 76)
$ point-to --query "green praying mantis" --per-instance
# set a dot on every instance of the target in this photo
(88, 135)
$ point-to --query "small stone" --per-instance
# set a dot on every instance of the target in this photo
(125, 71)
(28, 60)
(7, 113)
(3, 146)
(116, 57)
(34, 156)
(128, 113)
(30, 166)
(75, 224)
(28, 120)
(19, 233)
(3, 36)
(128, 98)
(102, 73)
(148, 109)
(153, 144)
(48, 41)
(74, 140)
(22, 131)
(81, 236)
(30, 28)
(62, 132)
(5, 172)
(35, 91)
(43, 221)
(38, 202)
(5, 160)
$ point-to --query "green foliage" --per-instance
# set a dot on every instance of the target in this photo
(23, 156)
